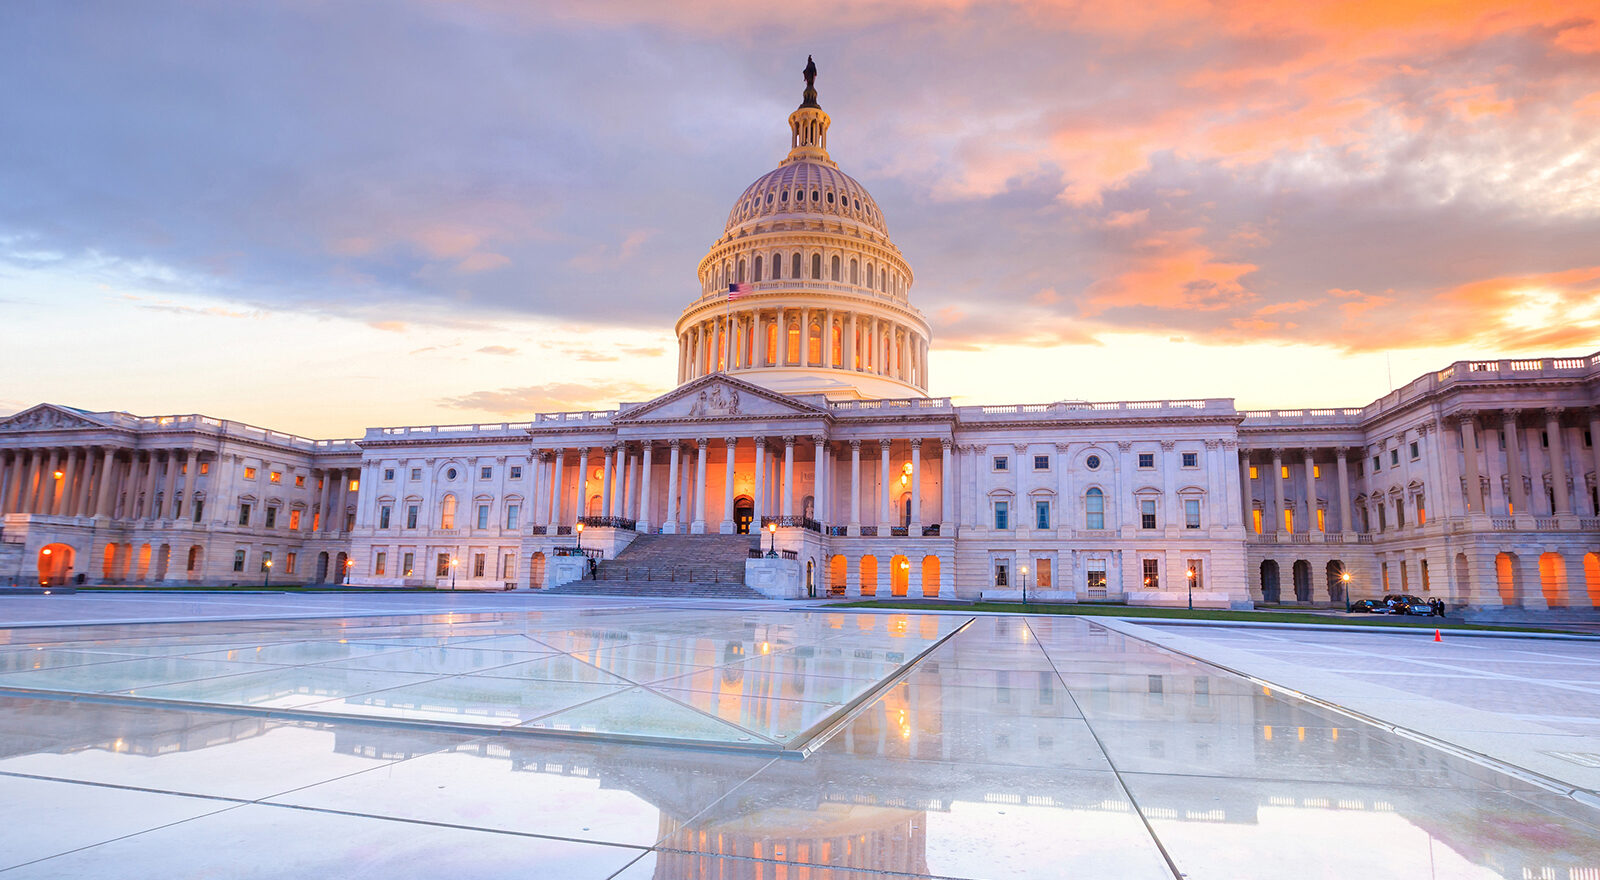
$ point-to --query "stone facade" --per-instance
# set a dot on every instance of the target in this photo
(802, 404)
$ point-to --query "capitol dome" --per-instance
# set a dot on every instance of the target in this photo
(804, 292)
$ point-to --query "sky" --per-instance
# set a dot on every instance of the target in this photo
(325, 216)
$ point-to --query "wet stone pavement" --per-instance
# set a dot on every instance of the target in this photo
(639, 741)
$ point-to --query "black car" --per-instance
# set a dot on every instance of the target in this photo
(1400, 603)
(1368, 606)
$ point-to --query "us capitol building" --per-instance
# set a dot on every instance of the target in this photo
(802, 412)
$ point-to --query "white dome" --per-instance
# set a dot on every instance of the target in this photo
(806, 189)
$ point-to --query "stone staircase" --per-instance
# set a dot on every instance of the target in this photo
(673, 565)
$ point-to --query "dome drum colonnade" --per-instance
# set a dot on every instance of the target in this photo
(804, 292)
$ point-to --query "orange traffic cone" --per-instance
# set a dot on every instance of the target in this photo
(1436, 636)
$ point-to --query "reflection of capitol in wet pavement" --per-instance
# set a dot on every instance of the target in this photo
(1038, 748)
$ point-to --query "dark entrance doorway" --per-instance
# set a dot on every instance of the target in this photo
(1269, 581)
(744, 512)
(1302, 581)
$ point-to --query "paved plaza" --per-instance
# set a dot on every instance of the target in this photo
(406, 736)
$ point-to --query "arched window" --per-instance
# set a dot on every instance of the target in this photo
(855, 271)
(883, 280)
(447, 513)
(816, 267)
(814, 344)
(834, 269)
(756, 274)
(777, 266)
(794, 343)
(1094, 502)
(741, 271)
(794, 268)
(835, 345)
(869, 273)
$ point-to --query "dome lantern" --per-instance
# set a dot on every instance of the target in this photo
(808, 125)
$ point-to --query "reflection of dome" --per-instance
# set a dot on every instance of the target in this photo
(804, 190)
(804, 293)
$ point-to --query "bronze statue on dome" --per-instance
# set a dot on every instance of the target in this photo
(810, 74)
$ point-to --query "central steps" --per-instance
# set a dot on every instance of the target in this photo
(674, 565)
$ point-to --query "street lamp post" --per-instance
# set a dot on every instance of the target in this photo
(1344, 577)
(453, 562)
(348, 564)
(266, 574)
(1190, 575)
(577, 531)
(1024, 586)
(772, 546)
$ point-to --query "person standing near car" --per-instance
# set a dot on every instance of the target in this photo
(1437, 605)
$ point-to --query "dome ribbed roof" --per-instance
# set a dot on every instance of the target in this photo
(806, 189)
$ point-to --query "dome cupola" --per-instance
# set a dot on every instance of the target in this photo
(804, 292)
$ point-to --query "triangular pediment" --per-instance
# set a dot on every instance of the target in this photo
(48, 417)
(718, 398)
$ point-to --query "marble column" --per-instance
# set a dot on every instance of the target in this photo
(697, 526)
(883, 488)
(1539, 501)
(675, 454)
(647, 454)
(1277, 487)
(731, 446)
(8, 495)
(758, 489)
(48, 484)
(819, 484)
(1594, 440)
(191, 469)
(69, 481)
(788, 476)
(150, 474)
(103, 496)
(610, 454)
(916, 487)
(169, 486)
(1343, 453)
(583, 484)
(854, 527)
(1558, 463)
(1514, 466)
(1246, 502)
(558, 491)
(947, 516)
(1311, 493)
(1469, 460)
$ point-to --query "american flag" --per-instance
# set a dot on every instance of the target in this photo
(737, 290)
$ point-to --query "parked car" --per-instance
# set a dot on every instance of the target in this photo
(1369, 606)
(1403, 603)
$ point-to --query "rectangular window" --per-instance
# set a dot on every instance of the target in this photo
(513, 515)
(416, 474)
(316, 521)
(1394, 458)
(355, 485)
(1042, 566)
(441, 566)
(508, 566)
(1041, 462)
(388, 475)
(411, 516)
(1001, 515)
(516, 472)
(244, 514)
(1283, 471)
(408, 563)
(1253, 472)
(1191, 513)
(1422, 510)
(205, 468)
(275, 476)
(294, 520)
(1255, 519)
(1152, 574)
(1322, 519)
(383, 516)
(288, 562)
(380, 564)
(238, 560)
(1377, 463)
(1147, 514)
(1001, 463)
(485, 473)
(1426, 584)
(483, 516)
(350, 521)
(1094, 577)
(477, 565)
(199, 508)
(299, 481)
(266, 560)
(1041, 514)
(1288, 521)
(1191, 459)
(1316, 471)
(1002, 574)
(249, 473)
(272, 517)
(1147, 460)
(1195, 574)
(1416, 453)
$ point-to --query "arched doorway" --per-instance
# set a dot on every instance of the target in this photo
(322, 568)
(113, 560)
(930, 577)
(744, 512)
(1506, 578)
(1591, 577)
(1463, 581)
(1553, 579)
(1336, 581)
(593, 507)
(143, 562)
(1269, 581)
(55, 564)
(194, 565)
(1302, 581)
(536, 570)
(341, 569)
(837, 575)
(163, 561)
(869, 575)
(899, 575)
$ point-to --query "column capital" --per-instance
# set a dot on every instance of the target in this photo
(1233, 445)
(788, 441)
(1168, 445)
(1124, 445)
(855, 445)
(1553, 413)
(884, 444)
(700, 442)
(675, 443)
(761, 442)
(1277, 452)
(1508, 416)
(1063, 447)
(730, 442)
(1212, 443)
(916, 443)
(1021, 448)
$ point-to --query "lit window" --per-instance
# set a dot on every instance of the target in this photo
(205, 467)
(447, 513)
(1001, 515)
(294, 520)
(238, 560)
(299, 481)
(275, 476)
(1255, 519)
(516, 473)
(411, 516)
(1191, 459)
(1284, 472)
(380, 564)
(1253, 473)
(249, 473)
(1041, 514)
(288, 562)
(355, 485)
(408, 563)
(383, 517)
(1191, 513)
(1147, 514)
(1147, 459)
(1094, 503)
(1001, 463)
(1288, 521)
(1316, 471)
(441, 565)
(1041, 462)
(485, 473)
(513, 513)
(244, 514)
(1152, 574)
